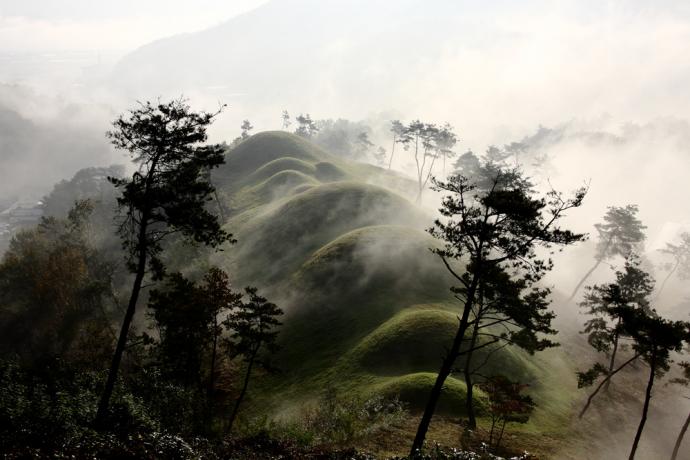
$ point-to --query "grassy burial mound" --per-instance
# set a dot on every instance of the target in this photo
(368, 306)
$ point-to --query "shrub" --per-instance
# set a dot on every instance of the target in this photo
(341, 420)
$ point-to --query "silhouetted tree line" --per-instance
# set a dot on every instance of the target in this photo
(491, 224)
(59, 305)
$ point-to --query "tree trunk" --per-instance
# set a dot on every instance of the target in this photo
(122, 339)
(444, 372)
(422, 185)
(211, 377)
(584, 278)
(645, 409)
(493, 426)
(500, 435)
(390, 162)
(675, 267)
(419, 171)
(236, 409)
(469, 401)
(608, 377)
(676, 448)
(612, 361)
(212, 373)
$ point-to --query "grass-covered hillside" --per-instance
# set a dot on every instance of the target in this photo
(368, 309)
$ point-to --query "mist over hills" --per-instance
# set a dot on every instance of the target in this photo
(36, 152)
(368, 305)
(340, 246)
(592, 93)
(498, 70)
(344, 251)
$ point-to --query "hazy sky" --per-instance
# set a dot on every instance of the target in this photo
(69, 25)
(495, 70)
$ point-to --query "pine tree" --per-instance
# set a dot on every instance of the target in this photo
(681, 259)
(654, 339)
(620, 234)
(254, 329)
(165, 196)
(492, 230)
(603, 302)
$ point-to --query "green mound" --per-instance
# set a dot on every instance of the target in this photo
(275, 187)
(414, 339)
(414, 389)
(328, 172)
(301, 188)
(368, 307)
(360, 279)
(411, 341)
(280, 183)
(280, 165)
(373, 258)
(287, 178)
(261, 149)
(279, 241)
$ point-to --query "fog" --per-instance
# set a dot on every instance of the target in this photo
(598, 88)
(495, 72)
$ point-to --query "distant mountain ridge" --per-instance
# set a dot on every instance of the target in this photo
(292, 50)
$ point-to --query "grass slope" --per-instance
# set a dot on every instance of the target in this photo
(277, 241)
(368, 310)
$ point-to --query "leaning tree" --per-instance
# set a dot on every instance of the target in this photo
(680, 253)
(603, 305)
(684, 381)
(166, 195)
(496, 322)
(620, 234)
(654, 339)
(499, 229)
(509, 310)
